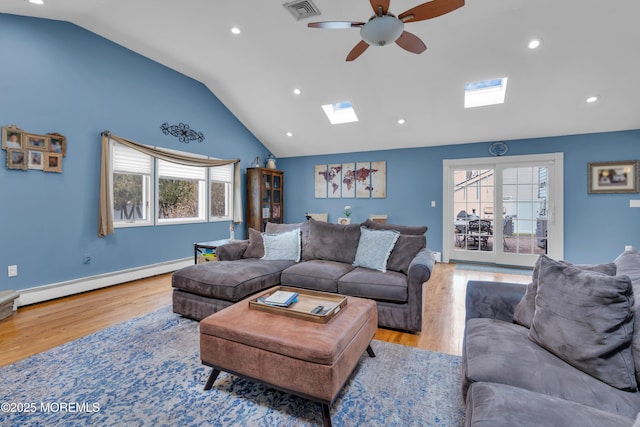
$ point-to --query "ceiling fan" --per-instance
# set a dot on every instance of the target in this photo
(384, 28)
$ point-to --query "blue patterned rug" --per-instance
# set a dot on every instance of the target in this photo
(147, 372)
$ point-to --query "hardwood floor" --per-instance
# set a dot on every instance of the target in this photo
(39, 327)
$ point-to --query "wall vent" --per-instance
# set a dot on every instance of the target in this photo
(302, 9)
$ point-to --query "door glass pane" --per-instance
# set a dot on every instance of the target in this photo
(525, 202)
(473, 209)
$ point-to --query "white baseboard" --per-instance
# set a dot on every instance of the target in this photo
(76, 286)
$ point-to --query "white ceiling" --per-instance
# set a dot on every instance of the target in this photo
(588, 47)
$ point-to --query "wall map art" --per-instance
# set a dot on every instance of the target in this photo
(349, 180)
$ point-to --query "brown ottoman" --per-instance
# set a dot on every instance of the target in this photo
(308, 359)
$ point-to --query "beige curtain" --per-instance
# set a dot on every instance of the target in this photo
(105, 215)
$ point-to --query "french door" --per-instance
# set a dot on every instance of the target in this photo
(503, 210)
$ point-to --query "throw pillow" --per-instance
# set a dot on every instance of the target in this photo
(523, 314)
(282, 246)
(374, 248)
(406, 248)
(586, 319)
(255, 249)
(402, 229)
(273, 227)
(628, 264)
(332, 242)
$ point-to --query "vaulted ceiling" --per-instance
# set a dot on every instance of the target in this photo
(588, 48)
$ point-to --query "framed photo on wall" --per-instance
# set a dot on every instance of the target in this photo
(36, 159)
(613, 177)
(52, 162)
(37, 142)
(17, 159)
(57, 143)
(12, 138)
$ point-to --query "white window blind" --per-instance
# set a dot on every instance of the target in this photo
(222, 173)
(174, 170)
(127, 159)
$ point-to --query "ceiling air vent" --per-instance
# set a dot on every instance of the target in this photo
(302, 9)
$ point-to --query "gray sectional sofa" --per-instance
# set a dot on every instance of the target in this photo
(562, 351)
(327, 254)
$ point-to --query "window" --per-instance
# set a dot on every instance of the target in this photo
(220, 192)
(131, 186)
(180, 194)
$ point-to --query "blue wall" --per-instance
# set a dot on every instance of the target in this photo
(57, 77)
(597, 226)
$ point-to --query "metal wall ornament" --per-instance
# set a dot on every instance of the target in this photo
(183, 132)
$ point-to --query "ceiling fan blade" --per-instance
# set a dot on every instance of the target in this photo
(411, 43)
(332, 25)
(384, 4)
(430, 10)
(358, 50)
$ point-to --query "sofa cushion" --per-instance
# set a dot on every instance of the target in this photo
(332, 242)
(523, 314)
(499, 405)
(501, 352)
(402, 229)
(229, 280)
(319, 275)
(363, 282)
(586, 319)
(255, 249)
(405, 250)
(628, 264)
(282, 246)
(374, 248)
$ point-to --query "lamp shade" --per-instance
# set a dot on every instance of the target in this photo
(382, 30)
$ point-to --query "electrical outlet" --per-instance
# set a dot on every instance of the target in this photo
(86, 259)
(12, 270)
(433, 203)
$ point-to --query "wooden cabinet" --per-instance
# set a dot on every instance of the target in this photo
(265, 197)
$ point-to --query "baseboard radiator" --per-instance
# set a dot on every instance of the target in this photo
(62, 289)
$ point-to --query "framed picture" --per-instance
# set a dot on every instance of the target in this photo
(12, 138)
(57, 143)
(52, 162)
(36, 159)
(37, 142)
(16, 159)
(613, 177)
(344, 220)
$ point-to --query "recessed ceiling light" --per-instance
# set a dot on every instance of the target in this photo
(592, 99)
(401, 121)
(297, 91)
(235, 30)
(535, 43)
(289, 134)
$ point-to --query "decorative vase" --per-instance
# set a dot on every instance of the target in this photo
(256, 163)
(271, 162)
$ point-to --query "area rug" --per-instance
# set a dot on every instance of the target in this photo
(494, 269)
(147, 372)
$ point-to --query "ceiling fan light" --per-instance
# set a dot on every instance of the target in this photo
(382, 30)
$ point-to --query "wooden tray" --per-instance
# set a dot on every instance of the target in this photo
(307, 301)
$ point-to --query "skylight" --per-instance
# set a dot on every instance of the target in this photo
(485, 92)
(340, 112)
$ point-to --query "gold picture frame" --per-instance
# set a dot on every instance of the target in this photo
(17, 159)
(52, 162)
(12, 137)
(613, 177)
(57, 143)
(36, 142)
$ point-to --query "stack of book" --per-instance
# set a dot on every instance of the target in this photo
(281, 298)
